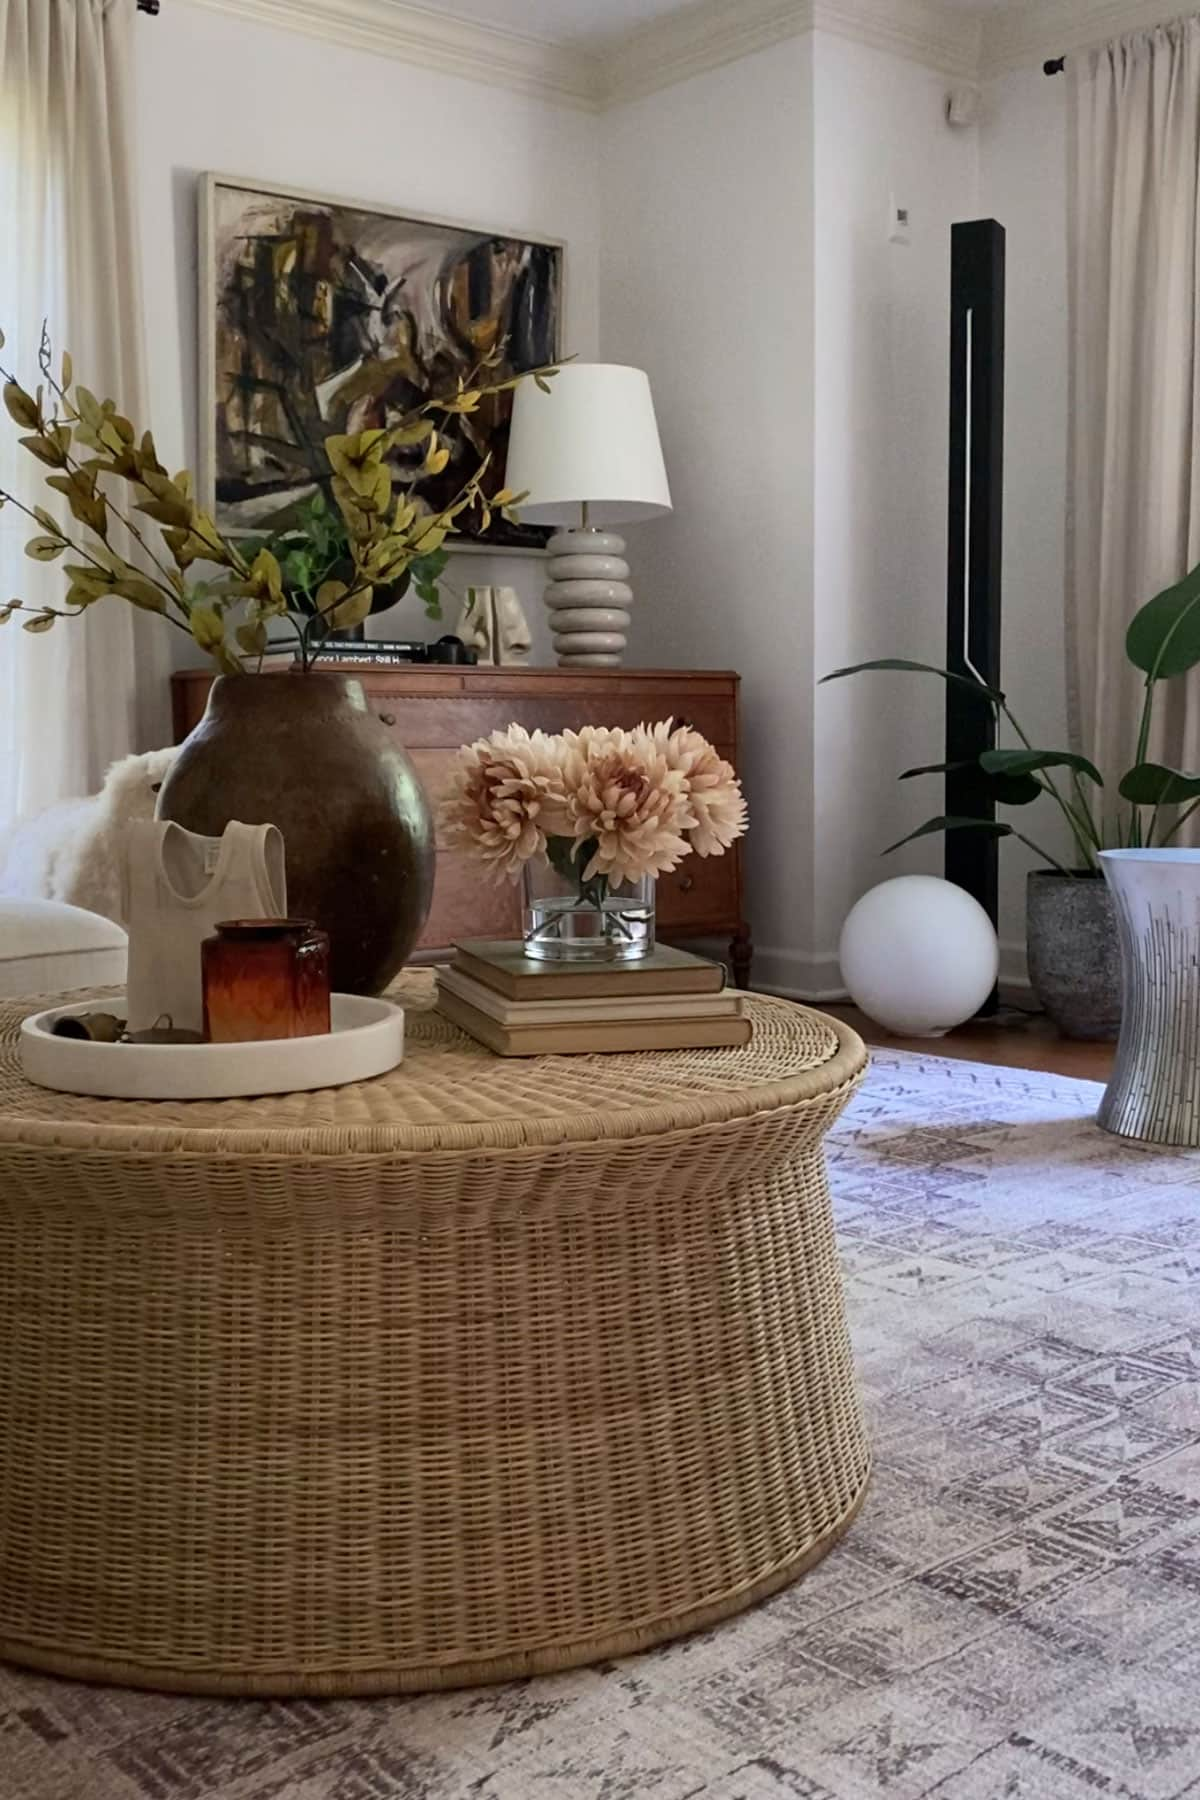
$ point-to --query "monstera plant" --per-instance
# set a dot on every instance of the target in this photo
(1073, 952)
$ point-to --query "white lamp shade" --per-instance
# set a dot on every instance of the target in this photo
(592, 438)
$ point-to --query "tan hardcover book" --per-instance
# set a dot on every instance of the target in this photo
(621, 1009)
(582, 1040)
(505, 968)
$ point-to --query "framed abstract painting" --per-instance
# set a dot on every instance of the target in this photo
(321, 316)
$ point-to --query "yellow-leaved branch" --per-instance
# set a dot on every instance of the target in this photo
(116, 489)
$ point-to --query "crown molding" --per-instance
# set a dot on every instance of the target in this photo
(703, 35)
(435, 40)
(917, 29)
(1038, 29)
(709, 33)
(699, 37)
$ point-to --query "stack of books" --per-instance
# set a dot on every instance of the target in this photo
(668, 1000)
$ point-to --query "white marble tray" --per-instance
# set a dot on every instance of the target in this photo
(367, 1039)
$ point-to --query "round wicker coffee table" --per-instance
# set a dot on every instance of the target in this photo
(481, 1369)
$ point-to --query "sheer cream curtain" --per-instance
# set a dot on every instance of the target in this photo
(1134, 525)
(90, 690)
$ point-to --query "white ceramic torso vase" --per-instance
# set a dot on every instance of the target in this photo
(176, 888)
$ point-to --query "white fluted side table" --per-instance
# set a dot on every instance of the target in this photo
(1154, 1094)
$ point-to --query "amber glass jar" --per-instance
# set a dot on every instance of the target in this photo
(265, 978)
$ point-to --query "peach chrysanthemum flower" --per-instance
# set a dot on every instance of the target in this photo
(505, 798)
(713, 789)
(624, 798)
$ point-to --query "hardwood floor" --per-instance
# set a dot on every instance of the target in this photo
(1013, 1039)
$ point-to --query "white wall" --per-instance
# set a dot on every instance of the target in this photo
(882, 374)
(217, 93)
(800, 364)
(706, 282)
(1023, 183)
(881, 450)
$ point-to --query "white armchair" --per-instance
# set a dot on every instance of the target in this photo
(49, 948)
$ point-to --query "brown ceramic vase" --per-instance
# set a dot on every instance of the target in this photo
(306, 753)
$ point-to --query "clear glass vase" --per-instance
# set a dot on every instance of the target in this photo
(567, 919)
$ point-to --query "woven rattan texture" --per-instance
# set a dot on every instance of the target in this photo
(449, 1092)
(356, 1405)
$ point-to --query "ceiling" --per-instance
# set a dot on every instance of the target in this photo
(587, 24)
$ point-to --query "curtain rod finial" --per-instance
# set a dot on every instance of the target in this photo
(1055, 67)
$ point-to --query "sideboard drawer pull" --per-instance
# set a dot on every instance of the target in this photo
(387, 718)
(686, 883)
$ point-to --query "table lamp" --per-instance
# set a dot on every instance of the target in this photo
(587, 454)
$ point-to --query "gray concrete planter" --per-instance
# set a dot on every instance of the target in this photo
(1074, 954)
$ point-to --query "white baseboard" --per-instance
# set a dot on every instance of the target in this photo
(795, 975)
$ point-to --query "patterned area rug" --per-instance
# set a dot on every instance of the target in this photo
(1014, 1617)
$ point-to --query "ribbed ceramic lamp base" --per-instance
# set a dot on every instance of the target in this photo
(588, 598)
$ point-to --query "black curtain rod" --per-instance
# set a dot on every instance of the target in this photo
(149, 6)
(1051, 68)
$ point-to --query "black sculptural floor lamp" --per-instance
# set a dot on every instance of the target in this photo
(976, 532)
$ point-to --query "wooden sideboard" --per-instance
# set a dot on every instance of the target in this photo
(435, 710)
